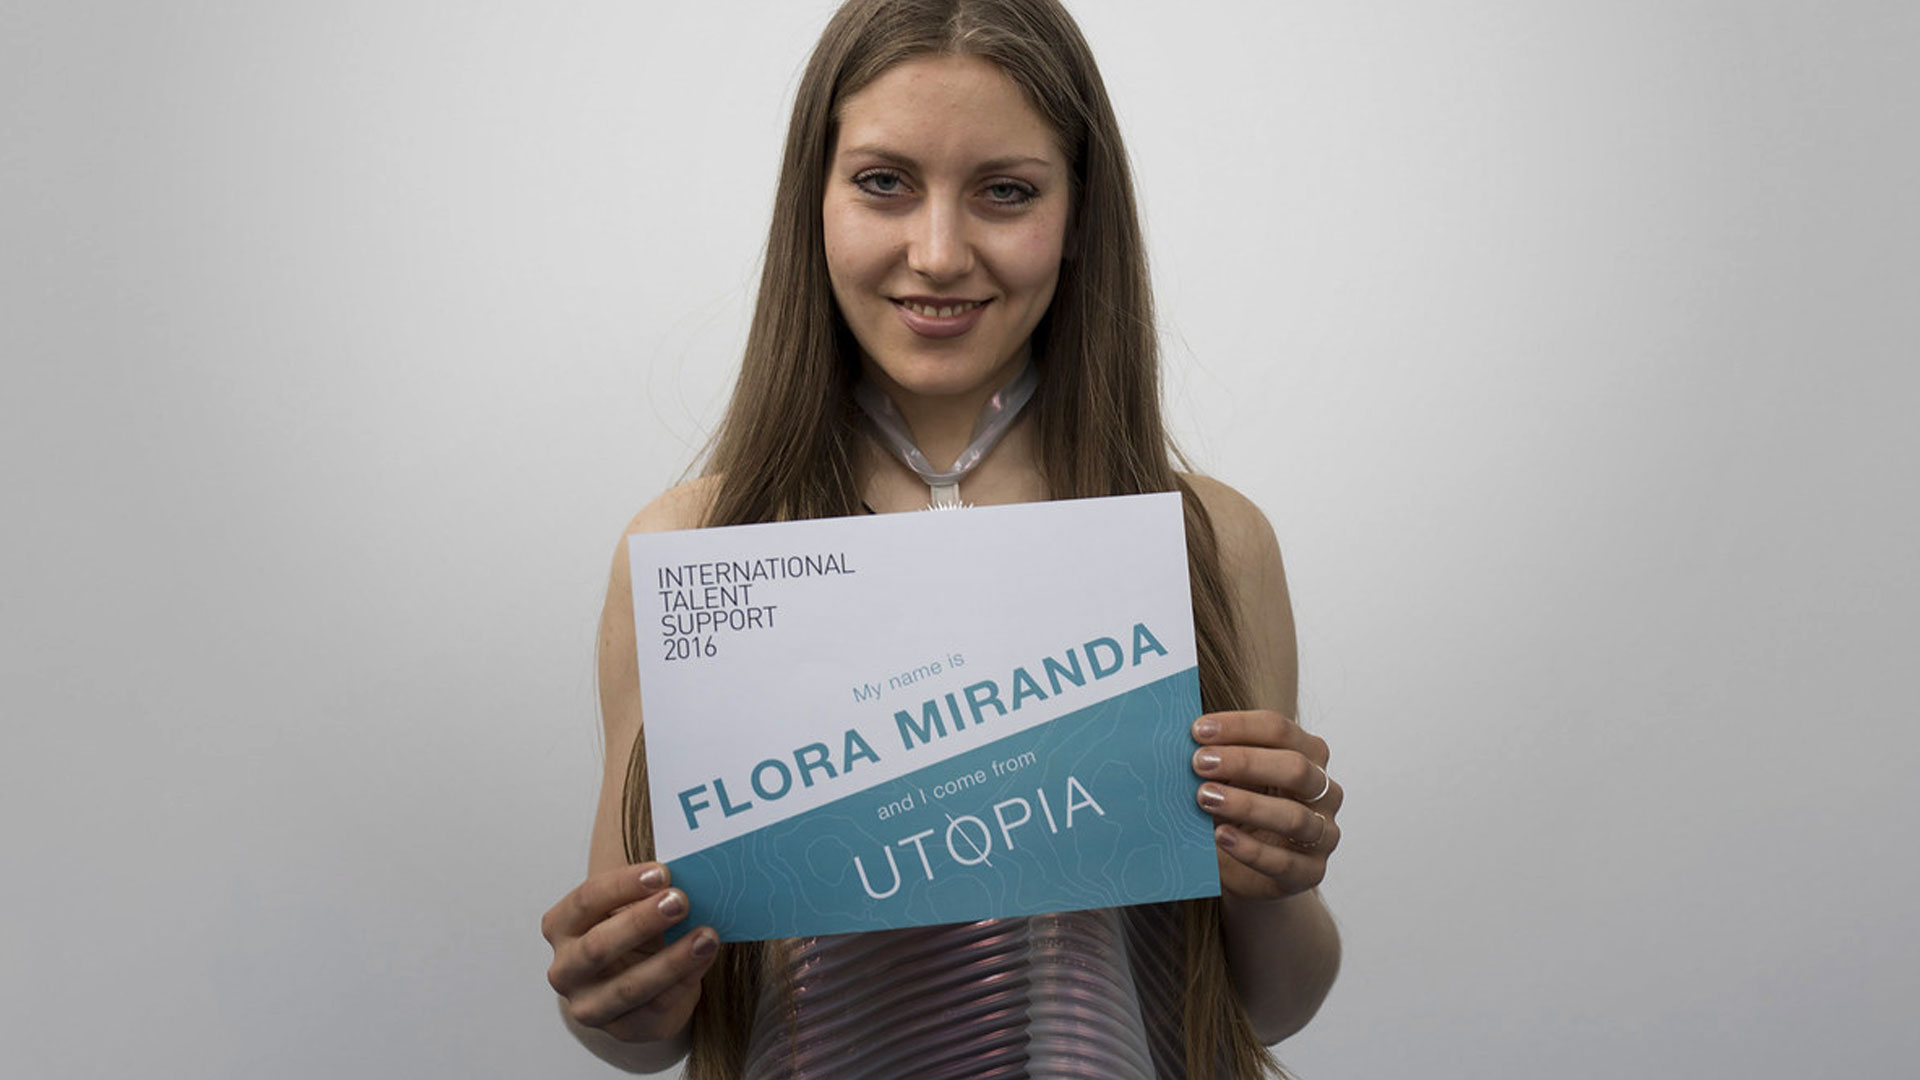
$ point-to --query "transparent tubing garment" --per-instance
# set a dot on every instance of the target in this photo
(1002, 409)
(1084, 994)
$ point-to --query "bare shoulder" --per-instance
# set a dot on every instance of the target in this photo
(683, 506)
(1257, 582)
(1247, 541)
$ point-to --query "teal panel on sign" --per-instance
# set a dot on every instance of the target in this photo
(1094, 809)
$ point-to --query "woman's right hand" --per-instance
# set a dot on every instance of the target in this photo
(612, 966)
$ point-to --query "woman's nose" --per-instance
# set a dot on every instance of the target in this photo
(940, 248)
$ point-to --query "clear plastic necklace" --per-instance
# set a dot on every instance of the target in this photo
(944, 487)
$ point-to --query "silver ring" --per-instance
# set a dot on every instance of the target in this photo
(1324, 788)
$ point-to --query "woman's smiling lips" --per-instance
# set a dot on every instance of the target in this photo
(937, 316)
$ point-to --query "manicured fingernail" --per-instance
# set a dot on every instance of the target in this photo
(1212, 797)
(1225, 837)
(1206, 760)
(1206, 728)
(653, 878)
(704, 942)
(674, 904)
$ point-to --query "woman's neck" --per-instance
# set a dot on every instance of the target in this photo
(945, 439)
(943, 427)
(1010, 473)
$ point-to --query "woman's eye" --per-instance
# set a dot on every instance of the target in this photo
(1009, 193)
(880, 182)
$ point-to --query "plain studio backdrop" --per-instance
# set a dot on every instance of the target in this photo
(1569, 347)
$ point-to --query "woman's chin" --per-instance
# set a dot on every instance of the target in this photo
(943, 381)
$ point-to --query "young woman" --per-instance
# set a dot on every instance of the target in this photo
(955, 275)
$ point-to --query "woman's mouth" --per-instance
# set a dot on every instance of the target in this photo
(937, 317)
(936, 310)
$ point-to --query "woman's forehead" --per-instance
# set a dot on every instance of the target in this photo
(949, 107)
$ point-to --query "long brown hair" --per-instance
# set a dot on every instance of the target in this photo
(788, 445)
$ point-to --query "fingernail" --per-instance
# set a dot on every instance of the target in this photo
(1206, 761)
(1225, 837)
(653, 878)
(1212, 797)
(704, 942)
(1206, 728)
(674, 904)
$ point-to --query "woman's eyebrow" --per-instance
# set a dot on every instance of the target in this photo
(893, 157)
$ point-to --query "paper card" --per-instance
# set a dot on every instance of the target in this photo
(907, 719)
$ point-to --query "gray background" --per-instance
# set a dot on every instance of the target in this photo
(1568, 346)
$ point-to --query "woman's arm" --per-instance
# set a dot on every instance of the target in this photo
(1266, 785)
(624, 993)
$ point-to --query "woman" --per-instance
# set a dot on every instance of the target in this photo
(955, 231)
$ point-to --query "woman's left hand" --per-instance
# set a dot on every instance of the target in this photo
(1272, 802)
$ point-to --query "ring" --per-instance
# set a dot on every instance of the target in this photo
(1324, 788)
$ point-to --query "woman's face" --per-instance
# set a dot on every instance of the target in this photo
(946, 214)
